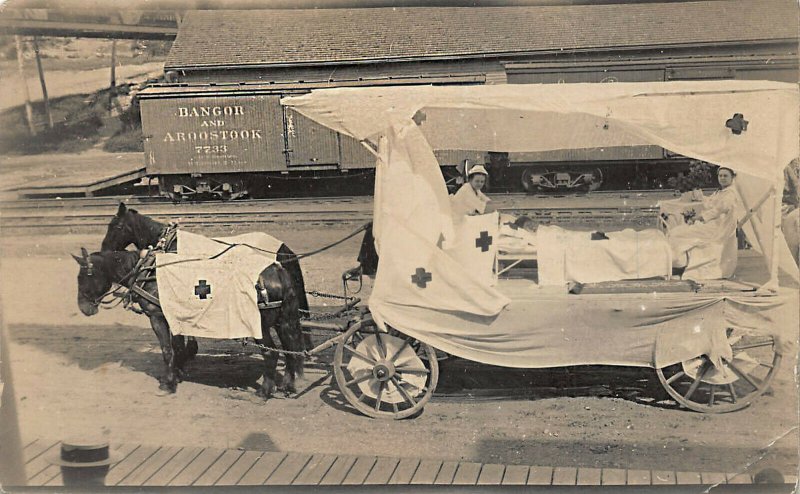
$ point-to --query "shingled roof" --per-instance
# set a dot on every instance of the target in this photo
(303, 37)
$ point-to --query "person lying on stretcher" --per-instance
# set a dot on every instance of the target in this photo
(702, 236)
(565, 256)
(518, 234)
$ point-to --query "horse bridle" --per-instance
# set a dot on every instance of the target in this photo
(97, 302)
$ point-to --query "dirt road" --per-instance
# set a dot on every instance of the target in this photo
(76, 375)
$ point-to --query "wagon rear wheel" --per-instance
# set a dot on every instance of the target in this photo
(698, 385)
(384, 375)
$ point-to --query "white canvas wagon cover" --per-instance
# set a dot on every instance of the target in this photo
(749, 126)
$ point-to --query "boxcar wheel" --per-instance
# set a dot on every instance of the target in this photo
(527, 185)
(382, 375)
(698, 385)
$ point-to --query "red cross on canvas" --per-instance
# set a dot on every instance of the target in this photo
(421, 278)
(202, 289)
(484, 241)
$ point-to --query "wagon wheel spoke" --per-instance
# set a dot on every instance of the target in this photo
(381, 344)
(395, 409)
(697, 380)
(380, 396)
(711, 396)
(359, 355)
(403, 392)
(399, 351)
(357, 380)
(409, 370)
(358, 337)
(738, 348)
(677, 376)
(741, 374)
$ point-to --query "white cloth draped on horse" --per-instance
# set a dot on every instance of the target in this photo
(207, 288)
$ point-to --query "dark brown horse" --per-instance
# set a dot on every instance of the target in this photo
(129, 227)
(101, 270)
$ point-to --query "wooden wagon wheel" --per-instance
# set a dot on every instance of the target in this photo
(698, 385)
(383, 375)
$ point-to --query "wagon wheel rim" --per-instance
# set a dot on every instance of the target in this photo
(700, 386)
(384, 363)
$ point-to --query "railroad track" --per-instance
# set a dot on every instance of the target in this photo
(27, 215)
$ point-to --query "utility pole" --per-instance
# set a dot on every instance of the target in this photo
(41, 80)
(21, 66)
(113, 88)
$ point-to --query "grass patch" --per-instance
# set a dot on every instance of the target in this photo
(78, 120)
(125, 141)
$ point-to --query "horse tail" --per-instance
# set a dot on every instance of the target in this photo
(289, 261)
(290, 323)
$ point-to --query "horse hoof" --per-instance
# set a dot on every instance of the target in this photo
(165, 389)
(265, 392)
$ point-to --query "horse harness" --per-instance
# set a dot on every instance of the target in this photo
(145, 271)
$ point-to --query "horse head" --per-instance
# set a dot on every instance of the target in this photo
(92, 281)
(129, 227)
(120, 232)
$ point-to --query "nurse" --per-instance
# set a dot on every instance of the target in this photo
(469, 200)
(716, 224)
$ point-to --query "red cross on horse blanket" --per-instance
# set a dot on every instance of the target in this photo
(207, 288)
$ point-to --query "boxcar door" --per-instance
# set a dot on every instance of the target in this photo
(309, 144)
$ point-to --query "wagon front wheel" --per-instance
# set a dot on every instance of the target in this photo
(699, 385)
(384, 375)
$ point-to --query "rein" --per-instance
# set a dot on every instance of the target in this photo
(296, 256)
(125, 292)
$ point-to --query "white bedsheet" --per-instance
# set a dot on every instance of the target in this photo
(570, 256)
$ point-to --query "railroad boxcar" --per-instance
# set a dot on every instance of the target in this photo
(234, 140)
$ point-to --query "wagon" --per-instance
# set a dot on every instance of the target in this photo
(715, 345)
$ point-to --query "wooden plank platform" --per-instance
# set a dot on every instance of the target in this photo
(146, 465)
(80, 186)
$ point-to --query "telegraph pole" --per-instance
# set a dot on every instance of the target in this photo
(21, 66)
(41, 80)
(113, 88)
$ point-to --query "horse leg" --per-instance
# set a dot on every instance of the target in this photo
(291, 337)
(181, 355)
(191, 348)
(160, 326)
(270, 358)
